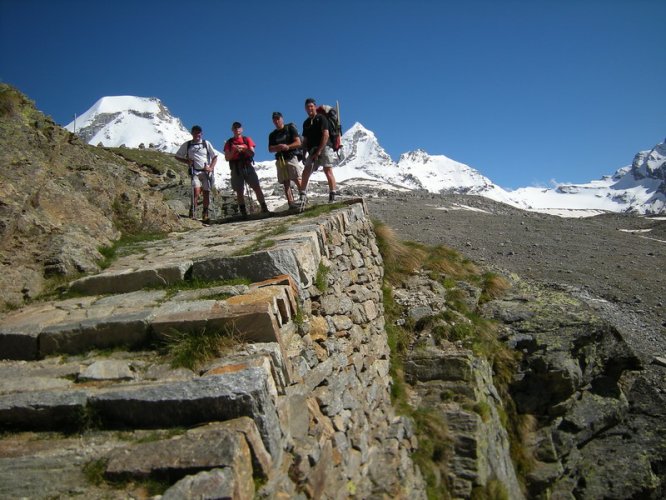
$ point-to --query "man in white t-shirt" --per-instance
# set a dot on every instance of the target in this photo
(201, 158)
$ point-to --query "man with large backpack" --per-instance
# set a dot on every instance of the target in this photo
(239, 152)
(285, 142)
(316, 148)
(201, 158)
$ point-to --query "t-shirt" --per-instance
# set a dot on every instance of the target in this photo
(313, 129)
(237, 156)
(201, 153)
(285, 135)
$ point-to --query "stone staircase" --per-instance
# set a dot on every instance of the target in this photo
(88, 398)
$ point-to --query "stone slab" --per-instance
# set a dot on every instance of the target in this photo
(129, 280)
(214, 398)
(43, 410)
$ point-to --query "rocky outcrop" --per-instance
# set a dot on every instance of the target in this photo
(60, 201)
(582, 384)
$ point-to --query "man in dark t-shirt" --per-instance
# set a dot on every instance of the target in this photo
(284, 141)
(317, 149)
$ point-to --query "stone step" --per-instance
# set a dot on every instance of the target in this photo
(138, 318)
(232, 388)
(215, 460)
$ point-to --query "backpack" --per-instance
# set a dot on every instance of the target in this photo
(334, 127)
(293, 132)
(206, 143)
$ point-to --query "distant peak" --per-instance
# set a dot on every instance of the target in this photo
(358, 127)
(120, 103)
(417, 154)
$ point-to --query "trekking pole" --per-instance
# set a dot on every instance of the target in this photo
(304, 188)
(248, 194)
(193, 201)
(337, 109)
(211, 184)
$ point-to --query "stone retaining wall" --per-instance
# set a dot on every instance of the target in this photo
(350, 442)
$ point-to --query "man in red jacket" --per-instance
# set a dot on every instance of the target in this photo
(239, 152)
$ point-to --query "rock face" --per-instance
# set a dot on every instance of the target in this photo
(582, 383)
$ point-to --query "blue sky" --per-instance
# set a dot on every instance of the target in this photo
(525, 91)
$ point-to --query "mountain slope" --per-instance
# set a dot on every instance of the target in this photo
(62, 200)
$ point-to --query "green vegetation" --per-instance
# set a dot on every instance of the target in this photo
(94, 471)
(191, 349)
(12, 102)
(494, 490)
(317, 210)
(199, 284)
(263, 240)
(321, 280)
(156, 162)
(128, 244)
(456, 323)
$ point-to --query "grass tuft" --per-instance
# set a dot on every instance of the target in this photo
(191, 349)
(321, 280)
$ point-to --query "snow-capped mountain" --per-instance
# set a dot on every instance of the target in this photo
(640, 187)
(131, 121)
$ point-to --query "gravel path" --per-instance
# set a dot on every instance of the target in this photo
(622, 273)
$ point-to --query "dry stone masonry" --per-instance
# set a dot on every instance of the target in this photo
(302, 404)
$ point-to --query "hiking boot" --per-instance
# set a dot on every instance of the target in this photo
(243, 210)
(293, 205)
(205, 218)
(264, 208)
(331, 196)
(190, 214)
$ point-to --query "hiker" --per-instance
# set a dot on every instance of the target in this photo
(239, 152)
(201, 158)
(284, 141)
(316, 148)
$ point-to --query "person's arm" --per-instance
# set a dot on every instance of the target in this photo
(324, 141)
(228, 153)
(182, 156)
(210, 150)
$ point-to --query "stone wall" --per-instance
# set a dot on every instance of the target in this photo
(350, 442)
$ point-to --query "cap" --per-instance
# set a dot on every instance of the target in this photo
(236, 125)
(196, 128)
(277, 114)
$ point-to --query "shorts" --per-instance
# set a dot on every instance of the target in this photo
(325, 159)
(288, 170)
(201, 179)
(241, 175)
